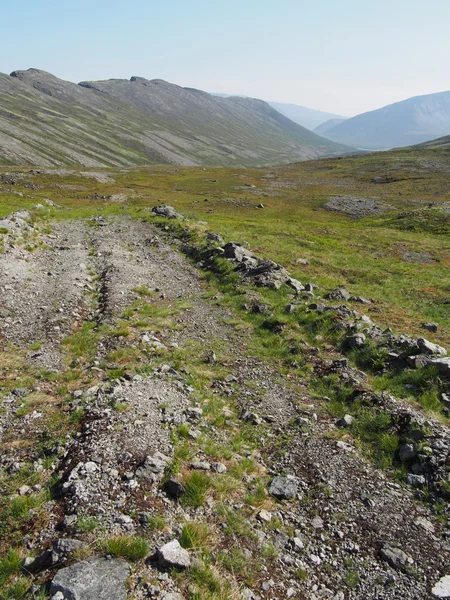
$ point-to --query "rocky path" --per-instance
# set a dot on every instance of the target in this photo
(170, 391)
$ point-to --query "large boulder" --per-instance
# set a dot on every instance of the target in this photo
(427, 347)
(94, 579)
(236, 251)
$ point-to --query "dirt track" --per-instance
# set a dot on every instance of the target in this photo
(50, 295)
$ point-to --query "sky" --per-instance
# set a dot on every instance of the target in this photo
(340, 56)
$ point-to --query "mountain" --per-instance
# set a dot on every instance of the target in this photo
(307, 117)
(405, 123)
(46, 121)
(324, 127)
(442, 143)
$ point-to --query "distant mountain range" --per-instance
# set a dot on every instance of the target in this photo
(306, 117)
(405, 123)
(45, 121)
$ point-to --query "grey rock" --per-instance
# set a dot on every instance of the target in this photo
(406, 452)
(199, 465)
(236, 251)
(173, 596)
(295, 284)
(95, 579)
(219, 467)
(173, 555)
(356, 341)
(166, 211)
(442, 588)
(394, 556)
(433, 327)
(214, 237)
(427, 347)
(284, 488)
(415, 480)
(338, 294)
(346, 421)
(441, 364)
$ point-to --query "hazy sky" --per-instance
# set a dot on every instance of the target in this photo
(342, 56)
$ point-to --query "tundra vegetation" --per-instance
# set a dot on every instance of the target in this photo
(248, 400)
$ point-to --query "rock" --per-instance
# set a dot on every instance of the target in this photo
(317, 523)
(433, 327)
(252, 418)
(427, 347)
(265, 516)
(284, 488)
(302, 261)
(338, 294)
(24, 490)
(214, 237)
(442, 588)
(173, 596)
(194, 414)
(95, 579)
(425, 524)
(394, 556)
(247, 594)
(59, 551)
(173, 555)
(260, 206)
(346, 421)
(356, 341)
(406, 452)
(441, 364)
(153, 467)
(417, 362)
(199, 465)
(173, 488)
(360, 299)
(219, 467)
(415, 480)
(166, 211)
(236, 251)
(295, 284)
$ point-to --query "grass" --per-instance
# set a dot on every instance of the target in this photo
(196, 536)
(125, 546)
(196, 485)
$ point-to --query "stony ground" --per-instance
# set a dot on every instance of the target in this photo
(179, 433)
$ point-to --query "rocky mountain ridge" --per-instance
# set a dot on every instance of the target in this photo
(45, 121)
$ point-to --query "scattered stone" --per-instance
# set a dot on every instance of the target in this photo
(284, 488)
(425, 524)
(95, 579)
(172, 555)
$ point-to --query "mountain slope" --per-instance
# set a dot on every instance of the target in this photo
(47, 121)
(307, 117)
(405, 123)
(324, 127)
